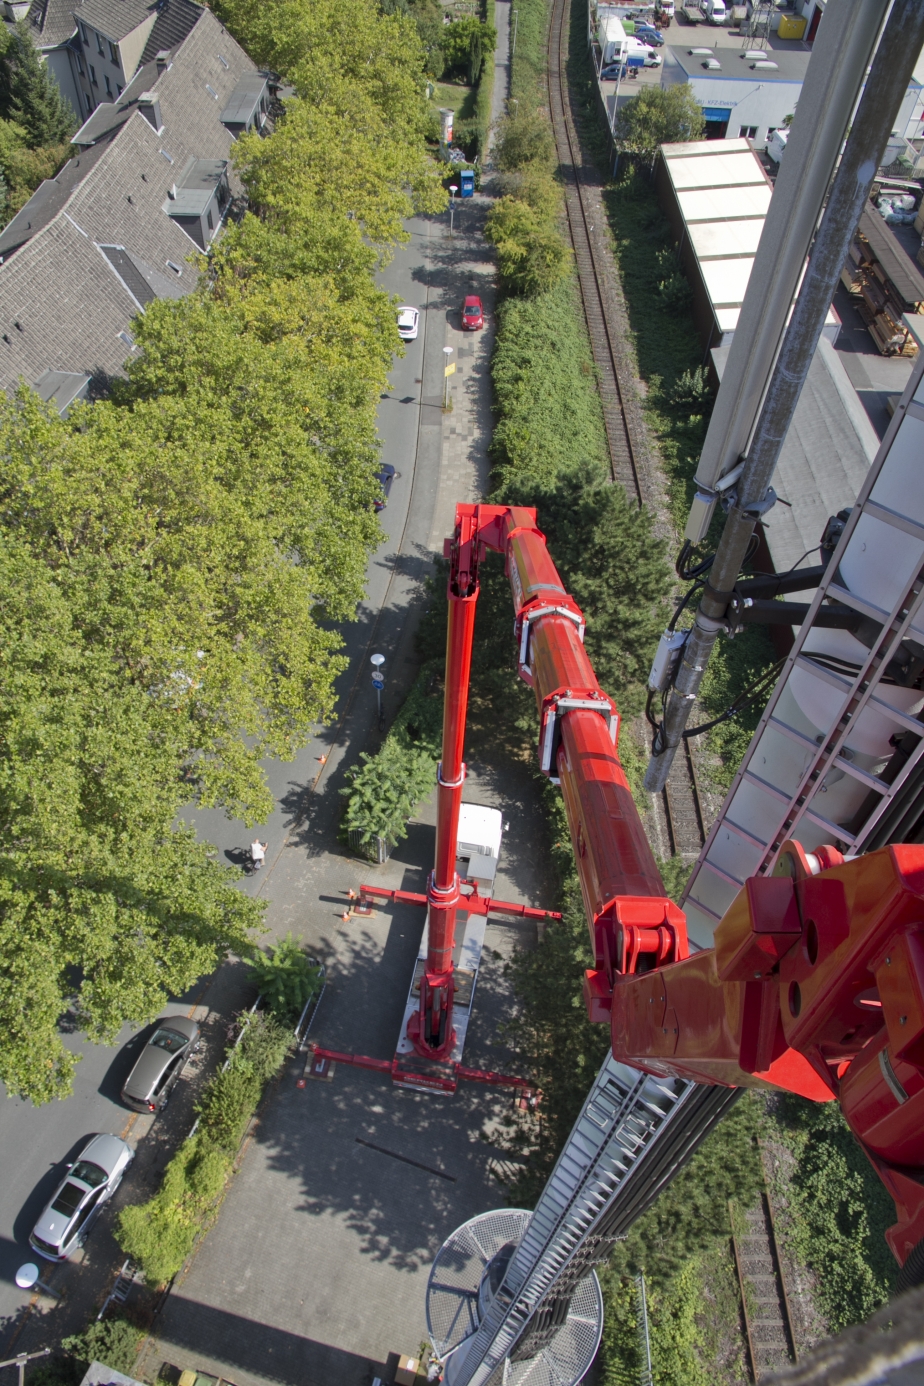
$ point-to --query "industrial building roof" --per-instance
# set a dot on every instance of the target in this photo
(722, 194)
(737, 66)
(824, 461)
(903, 273)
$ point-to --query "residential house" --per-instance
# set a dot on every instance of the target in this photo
(147, 189)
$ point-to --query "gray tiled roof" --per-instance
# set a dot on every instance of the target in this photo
(175, 20)
(52, 22)
(71, 297)
(109, 115)
(114, 18)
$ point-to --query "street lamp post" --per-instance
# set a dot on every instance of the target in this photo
(378, 680)
(513, 45)
(453, 189)
(447, 372)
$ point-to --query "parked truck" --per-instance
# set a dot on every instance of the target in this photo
(611, 37)
(705, 11)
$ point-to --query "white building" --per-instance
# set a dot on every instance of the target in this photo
(748, 93)
(743, 97)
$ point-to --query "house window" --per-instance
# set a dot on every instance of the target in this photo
(89, 101)
(113, 53)
(99, 45)
(210, 220)
(119, 88)
(93, 74)
(176, 268)
(108, 84)
(83, 32)
(79, 61)
(747, 132)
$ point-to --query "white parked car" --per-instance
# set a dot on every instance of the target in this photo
(408, 323)
(90, 1183)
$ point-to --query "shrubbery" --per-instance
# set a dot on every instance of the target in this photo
(287, 979)
(160, 1234)
(384, 790)
(531, 254)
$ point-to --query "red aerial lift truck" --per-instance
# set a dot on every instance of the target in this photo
(815, 984)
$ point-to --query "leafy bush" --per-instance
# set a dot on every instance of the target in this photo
(287, 979)
(523, 139)
(384, 791)
(531, 253)
(842, 1213)
(160, 1234)
(114, 1342)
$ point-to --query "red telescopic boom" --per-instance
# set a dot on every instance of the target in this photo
(816, 981)
(632, 920)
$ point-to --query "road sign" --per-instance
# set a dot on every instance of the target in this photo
(450, 369)
(378, 681)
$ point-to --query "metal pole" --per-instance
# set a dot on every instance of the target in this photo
(21, 1361)
(885, 89)
(513, 46)
(840, 57)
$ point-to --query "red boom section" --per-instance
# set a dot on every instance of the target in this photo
(632, 922)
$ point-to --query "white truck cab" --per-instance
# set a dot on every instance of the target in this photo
(478, 845)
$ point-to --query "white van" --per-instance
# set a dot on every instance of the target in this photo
(714, 11)
(776, 144)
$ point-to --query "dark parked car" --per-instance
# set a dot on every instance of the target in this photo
(160, 1063)
(386, 476)
(91, 1181)
(649, 35)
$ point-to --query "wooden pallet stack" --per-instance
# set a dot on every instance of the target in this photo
(886, 283)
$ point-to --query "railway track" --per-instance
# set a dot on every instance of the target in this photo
(585, 212)
(680, 801)
(765, 1303)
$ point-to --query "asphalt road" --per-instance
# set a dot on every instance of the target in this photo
(37, 1142)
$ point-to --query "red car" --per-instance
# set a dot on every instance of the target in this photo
(472, 312)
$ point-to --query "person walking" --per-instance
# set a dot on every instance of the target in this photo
(257, 854)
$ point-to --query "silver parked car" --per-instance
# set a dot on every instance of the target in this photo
(160, 1063)
(91, 1181)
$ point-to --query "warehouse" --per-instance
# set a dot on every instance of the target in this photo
(716, 196)
(743, 93)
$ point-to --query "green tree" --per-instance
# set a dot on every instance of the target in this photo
(106, 905)
(466, 43)
(531, 253)
(24, 167)
(522, 140)
(658, 115)
(29, 93)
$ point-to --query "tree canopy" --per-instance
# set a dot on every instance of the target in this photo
(176, 555)
(658, 115)
(29, 94)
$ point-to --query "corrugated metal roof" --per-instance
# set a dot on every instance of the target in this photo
(721, 171)
(903, 273)
(715, 204)
(723, 239)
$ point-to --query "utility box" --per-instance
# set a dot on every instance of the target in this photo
(467, 183)
(478, 843)
(406, 1371)
(791, 26)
